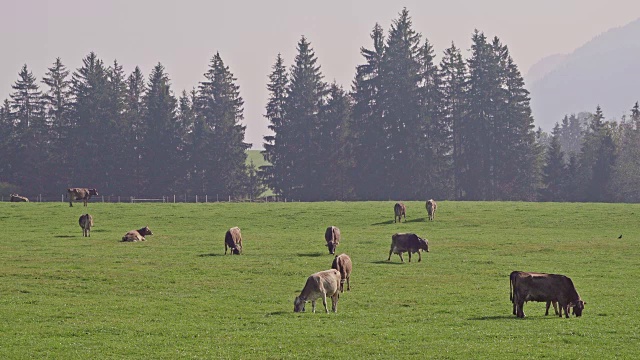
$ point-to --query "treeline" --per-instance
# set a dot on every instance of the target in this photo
(125, 135)
(407, 128)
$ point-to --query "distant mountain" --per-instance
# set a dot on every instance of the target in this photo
(605, 71)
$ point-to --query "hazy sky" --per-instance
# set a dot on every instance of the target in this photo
(184, 35)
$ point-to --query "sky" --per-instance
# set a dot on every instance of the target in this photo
(184, 35)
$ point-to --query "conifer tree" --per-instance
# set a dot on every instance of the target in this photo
(554, 169)
(6, 131)
(116, 130)
(626, 175)
(597, 159)
(132, 140)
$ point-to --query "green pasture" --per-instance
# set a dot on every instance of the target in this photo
(176, 296)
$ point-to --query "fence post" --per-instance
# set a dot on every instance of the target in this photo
(196, 198)
(174, 198)
(62, 197)
(132, 199)
(229, 198)
(206, 199)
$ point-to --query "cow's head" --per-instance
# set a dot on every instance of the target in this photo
(578, 306)
(331, 245)
(298, 304)
(424, 244)
(94, 192)
(145, 231)
(236, 250)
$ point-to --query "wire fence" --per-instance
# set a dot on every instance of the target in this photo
(175, 198)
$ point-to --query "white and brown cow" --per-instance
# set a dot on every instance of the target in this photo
(320, 285)
(18, 198)
(399, 210)
(532, 286)
(78, 194)
(233, 240)
(137, 235)
(332, 237)
(407, 242)
(431, 208)
(86, 222)
(342, 263)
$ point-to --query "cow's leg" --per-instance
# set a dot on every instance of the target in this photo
(547, 309)
(409, 252)
(566, 310)
(520, 308)
(313, 306)
(348, 283)
(324, 302)
(401, 258)
(390, 252)
(555, 306)
(419, 255)
(70, 202)
(334, 302)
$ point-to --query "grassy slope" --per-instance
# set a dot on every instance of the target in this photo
(176, 296)
(256, 156)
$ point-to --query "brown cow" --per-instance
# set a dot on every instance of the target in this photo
(83, 194)
(86, 222)
(137, 235)
(332, 237)
(410, 243)
(233, 240)
(512, 281)
(320, 285)
(342, 263)
(544, 287)
(400, 210)
(431, 209)
(18, 198)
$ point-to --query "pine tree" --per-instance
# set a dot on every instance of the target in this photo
(571, 135)
(453, 106)
(6, 132)
(162, 136)
(132, 141)
(116, 130)
(219, 150)
(31, 134)
(368, 134)
(305, 97)
(275, 146)
(597, 159)
(626, 175)
(554, 169)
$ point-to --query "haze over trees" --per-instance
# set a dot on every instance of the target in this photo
(408, 127)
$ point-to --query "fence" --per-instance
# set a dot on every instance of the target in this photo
(163, 199)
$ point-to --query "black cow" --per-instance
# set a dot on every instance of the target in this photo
(410, 243)
(526, 286)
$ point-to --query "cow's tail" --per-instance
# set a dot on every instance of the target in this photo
(511, 287)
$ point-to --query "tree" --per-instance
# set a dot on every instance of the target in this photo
(132, 141)
(597, 159)
(275, 145)
(554, 172)
(218, 147)
(626, 173)
(162, 137)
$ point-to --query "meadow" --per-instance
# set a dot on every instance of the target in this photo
(176, 296)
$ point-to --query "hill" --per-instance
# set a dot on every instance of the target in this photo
(604, 72)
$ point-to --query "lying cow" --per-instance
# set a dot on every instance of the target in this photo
(431, 209)
(400, 210)
(83, 194)
(137, 235)
(86, 222)
(233, 240)
(342, 263)
(544, 287)
(332, 237)
(18, 198)
(320, 285)
(410, 243)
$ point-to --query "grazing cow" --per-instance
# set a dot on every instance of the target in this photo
(512, 278)
(410, 243)
(400, 210)
(18, 198)
(83, 194)
(544, 287)
(320, 285)
(137, 235)
(431, 209)
(342, 263)
(332, 237)
(86, 222)
(233, 240)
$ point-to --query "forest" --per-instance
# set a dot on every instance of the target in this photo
(408, 127)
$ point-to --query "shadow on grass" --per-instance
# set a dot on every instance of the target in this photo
(385, 262)
(210, 254)
(277, 313)
(510, 317)
(416, 220)
(383, 223)
(65, 236)
(315, 254)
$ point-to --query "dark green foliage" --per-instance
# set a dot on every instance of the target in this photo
(554, 172)
(626, 175)
(131, 141)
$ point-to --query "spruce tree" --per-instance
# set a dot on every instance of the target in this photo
(162, 136)
(625, 182)
(277, 172)
(132, 139)
(554, 169)
(597, 159)
(116, 130)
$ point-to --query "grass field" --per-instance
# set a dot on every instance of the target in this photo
(174, 296)
(256, 157)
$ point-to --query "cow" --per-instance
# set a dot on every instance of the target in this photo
(527, 286)
(332, 237)
(137, 235)
(86, 222)
(407, 242)
(83, 194)
(320, 285)
(400, 210)
(18, 198)
(342, 263)
(431, 209)
(233, 240)
(512, 277)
